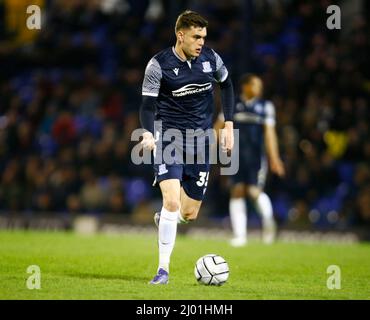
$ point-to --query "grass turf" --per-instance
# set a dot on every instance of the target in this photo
(119, 267)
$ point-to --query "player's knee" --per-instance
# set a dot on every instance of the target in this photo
(238, 192)
(253, 193)
(171, 205)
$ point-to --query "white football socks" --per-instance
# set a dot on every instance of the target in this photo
(264, 208)
(167, 229)
(238, 216)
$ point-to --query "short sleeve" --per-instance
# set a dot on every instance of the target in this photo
(221, 70)
(269, 114)
(152, 79)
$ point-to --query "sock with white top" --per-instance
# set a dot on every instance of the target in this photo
(167, 229)
(238, 216)
(264, 208)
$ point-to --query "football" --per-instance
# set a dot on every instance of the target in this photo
(211, 269)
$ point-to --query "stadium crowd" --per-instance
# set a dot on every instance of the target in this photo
(69, 101)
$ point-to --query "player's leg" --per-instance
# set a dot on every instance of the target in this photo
(255, 178)
(167, 227)
(194, 186)
(168, 223)
(168, 177)
(263, 206)
(238, 214)
(238, 206)
(189, 208)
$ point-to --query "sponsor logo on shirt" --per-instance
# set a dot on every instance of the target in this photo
(192, 88)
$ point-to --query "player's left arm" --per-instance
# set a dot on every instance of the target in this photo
(227, 99)
(271, 142)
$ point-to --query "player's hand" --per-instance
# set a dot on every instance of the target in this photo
(277, 167)
(148, 141)
(227, 137)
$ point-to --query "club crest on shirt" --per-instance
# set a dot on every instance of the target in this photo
(206, 66)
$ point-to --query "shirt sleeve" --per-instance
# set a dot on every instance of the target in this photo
(270, 118)
(221, 70)
(152, 79)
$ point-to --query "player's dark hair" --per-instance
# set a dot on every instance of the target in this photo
(189, 19)
(247, 78)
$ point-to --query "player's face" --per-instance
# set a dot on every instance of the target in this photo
(253, 88)
(193, 40)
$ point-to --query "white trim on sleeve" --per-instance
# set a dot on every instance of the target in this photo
(150, 94)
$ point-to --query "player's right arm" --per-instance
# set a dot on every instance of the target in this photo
(150, 92)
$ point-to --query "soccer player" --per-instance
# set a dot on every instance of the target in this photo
(255, 119)
(178, 91)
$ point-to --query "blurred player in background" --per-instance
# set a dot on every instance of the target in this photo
(178, 91)
(255, 119)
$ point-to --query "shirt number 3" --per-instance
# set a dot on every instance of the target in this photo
(203, 179)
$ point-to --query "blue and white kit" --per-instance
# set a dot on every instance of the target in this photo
(179, 94)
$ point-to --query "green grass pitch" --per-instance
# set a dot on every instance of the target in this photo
(120, 266)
